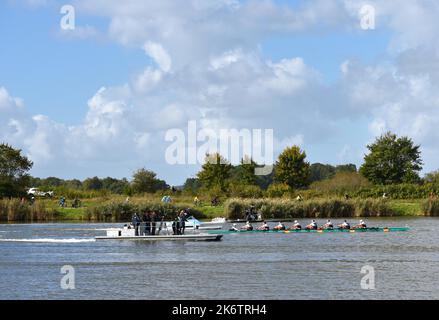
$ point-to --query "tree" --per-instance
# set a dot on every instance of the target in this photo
(92, 183)
(214, 172)
(432, 177)
(392, 160)
(14, 169)
(341, 182)
(146, 181)
(192, 185)
(319, 171)
(245, 172)
(115, 185)
(350, 167)
(292, 169)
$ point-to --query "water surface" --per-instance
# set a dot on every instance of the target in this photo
(242, 266)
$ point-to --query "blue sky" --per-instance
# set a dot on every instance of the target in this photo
(56, 74)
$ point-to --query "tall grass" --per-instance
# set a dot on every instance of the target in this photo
(322, 208)
(431, 207)
(15, 210)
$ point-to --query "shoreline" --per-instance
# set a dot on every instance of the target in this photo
(113, 209)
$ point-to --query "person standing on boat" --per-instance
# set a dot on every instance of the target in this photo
(182, 221)
(296, 226)
(344, 225)
(264, 226)
(176, 225)
(153, 217)
(147, 219)
(328, 225)
(136, 223)
(312, 225)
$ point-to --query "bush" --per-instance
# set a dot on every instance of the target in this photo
(245, 191)
(341, 183)
(398, 191)
(323, 208)
(278, 190)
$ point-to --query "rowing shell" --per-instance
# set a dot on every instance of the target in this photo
(373, 229)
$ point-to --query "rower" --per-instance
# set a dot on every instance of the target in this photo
(234, 228)
(344, 225)
(264, 226)
(312, 225)
(280, 226)
(328, 225)
(247, 227)
(361, 225)
(296, 226)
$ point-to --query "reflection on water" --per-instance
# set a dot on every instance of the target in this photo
(242, 266)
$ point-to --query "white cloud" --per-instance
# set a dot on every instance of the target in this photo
(159, 54)
(209, 68)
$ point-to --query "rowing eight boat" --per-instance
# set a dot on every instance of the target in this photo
(373, 229)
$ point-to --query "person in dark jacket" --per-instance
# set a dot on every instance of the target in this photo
(147, 220)
(182, 221)
(153, 218)
(136, 223)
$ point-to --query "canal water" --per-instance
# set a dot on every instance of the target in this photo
(405, 265)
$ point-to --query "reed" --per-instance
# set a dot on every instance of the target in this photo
(282, 208)
(431, 207)
(16, 210)
(121, 211)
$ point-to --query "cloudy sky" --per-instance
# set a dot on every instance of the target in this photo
(99, 99)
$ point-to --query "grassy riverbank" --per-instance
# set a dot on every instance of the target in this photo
(116, 208)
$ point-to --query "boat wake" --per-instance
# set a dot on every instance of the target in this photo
(50, 240)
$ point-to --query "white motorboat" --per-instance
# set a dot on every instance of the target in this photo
(214, 224)
(162, 231)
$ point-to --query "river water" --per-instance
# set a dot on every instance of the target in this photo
(242, 266)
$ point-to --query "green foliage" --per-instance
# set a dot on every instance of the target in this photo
(191, 186)
(92, 184)
(215, 172)
(245, 172)
(398, 191)
(245, 191)
(115, 185)
(321, 208)
(146, 181)
(13, 171)
(319, 171)
(341, 183)
(432, 177)
(292, 169)
(430, 207)
(278, 190)
(392, 160)
(121, 211)
(16, 210)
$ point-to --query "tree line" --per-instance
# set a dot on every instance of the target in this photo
(390, 160)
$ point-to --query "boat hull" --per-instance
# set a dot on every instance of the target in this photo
(185, 237)
(380, 229)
